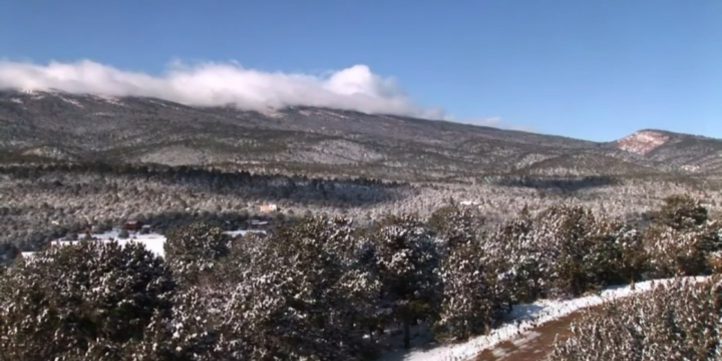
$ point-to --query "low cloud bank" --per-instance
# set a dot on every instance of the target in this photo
(213, 84)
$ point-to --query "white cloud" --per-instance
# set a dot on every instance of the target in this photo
(210, 84)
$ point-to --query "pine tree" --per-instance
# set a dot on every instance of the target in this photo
(407, 261)
(191, 332)
(88, 297)
(682, 240)
(470, 302)
(193, 251)
(472, 299)
(301, 294)
(523, 268)
(681, 212)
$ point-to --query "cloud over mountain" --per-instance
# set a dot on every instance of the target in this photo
(213, 84)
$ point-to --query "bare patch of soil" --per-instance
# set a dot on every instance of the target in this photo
(533, 345)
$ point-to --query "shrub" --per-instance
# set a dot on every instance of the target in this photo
(682, 240)
(681, 212)
(676, 322)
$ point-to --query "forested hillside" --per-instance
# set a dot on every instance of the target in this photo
(55, 126)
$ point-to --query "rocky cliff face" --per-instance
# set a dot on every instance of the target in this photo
(642, 142)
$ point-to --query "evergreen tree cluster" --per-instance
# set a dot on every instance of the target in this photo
(83, 302)
(566, 251)
(676, 322)
(325, 288)
(683, 240)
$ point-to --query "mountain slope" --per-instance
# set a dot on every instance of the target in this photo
(44, 126)
(688, 152)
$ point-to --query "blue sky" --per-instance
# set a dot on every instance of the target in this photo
(593, 70)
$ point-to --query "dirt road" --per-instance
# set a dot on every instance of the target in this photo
(534, 345)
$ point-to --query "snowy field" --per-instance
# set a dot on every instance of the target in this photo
(243, 232)
(522, 319)
(154, 242)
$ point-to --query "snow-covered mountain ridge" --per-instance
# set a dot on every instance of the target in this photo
(63, 127)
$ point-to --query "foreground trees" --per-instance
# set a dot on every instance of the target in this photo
(677, 322)
(565, 251)
(189, 332)
(406, 261)
(683, 240)
(474, 293)
(297, 296)
(325, 289)
(193, 251)
(89, 299)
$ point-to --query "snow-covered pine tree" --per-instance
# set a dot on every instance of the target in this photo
(679, 321)
(456, 224)
(471, 299)
(567, 232)
(683, 240)
(301, 294)
(194, 250)
(91, 297)
(191, 332)
(522, 269)
(564, 250)
(407, 260)
(471, 303)
(681, 212)
(612, 253)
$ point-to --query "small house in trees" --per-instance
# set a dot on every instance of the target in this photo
(268, 208)
(133, 225)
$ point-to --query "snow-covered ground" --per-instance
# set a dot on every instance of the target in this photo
(522, 319)
(154, 242)
(243, 232)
